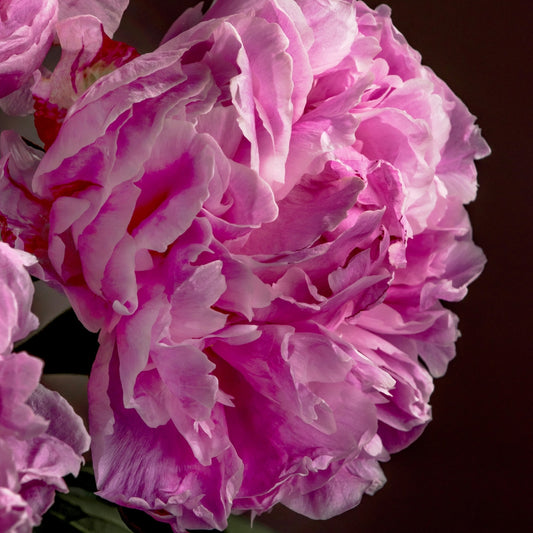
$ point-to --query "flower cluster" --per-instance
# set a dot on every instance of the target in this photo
(261, 217)
(41, 438)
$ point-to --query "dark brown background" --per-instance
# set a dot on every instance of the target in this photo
(471, 470)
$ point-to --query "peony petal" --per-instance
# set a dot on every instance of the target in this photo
(109, 12)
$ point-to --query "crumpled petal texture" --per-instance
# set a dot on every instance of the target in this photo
(26, 33)
(27, 30)
(16, 294)
(42, 440)
(41, 437)
(109, 12)
(87, 54)
(261, 217)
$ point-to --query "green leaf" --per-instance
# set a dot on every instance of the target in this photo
(96, 509)
(82, 511)
(241, 524)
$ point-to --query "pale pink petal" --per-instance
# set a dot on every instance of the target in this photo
(16, 293)
(19, 376)
(109, 12)
(26, 33)
(42, 441)
(334, 29)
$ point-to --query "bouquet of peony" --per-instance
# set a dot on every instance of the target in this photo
(261, 219)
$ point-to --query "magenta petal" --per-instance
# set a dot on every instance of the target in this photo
(316, 205)
(172, 203)
(111, 222)
(169, 481)
(303, 431)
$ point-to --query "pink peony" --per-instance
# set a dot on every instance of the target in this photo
(261, 217)
(26, 33)
(41, 438)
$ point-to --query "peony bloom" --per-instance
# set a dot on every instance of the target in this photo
(26, 33)
(41, 438)
(262, 217)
